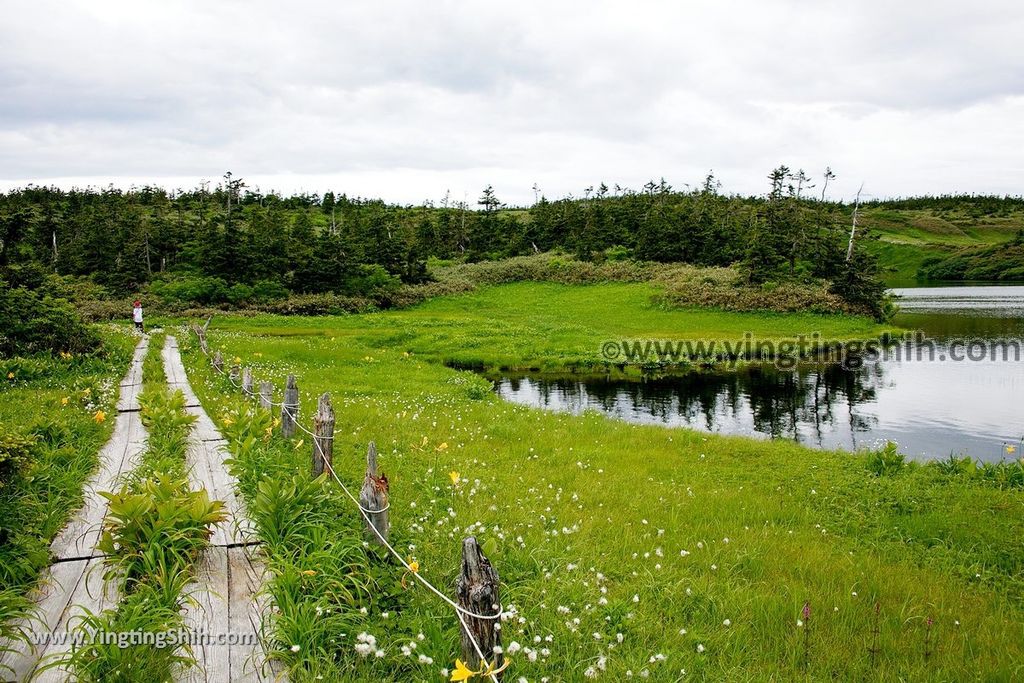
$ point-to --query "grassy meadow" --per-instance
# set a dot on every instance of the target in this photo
(625, 551)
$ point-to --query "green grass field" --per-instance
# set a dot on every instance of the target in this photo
(626, 550)
(545, 325)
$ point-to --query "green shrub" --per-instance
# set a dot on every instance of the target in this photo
(954, 466)
(617, 253)
(30, 323)
(165, 517)
(373, 280)
(268, 290)
(886, 461)
(317, 304)
(190, 289)
(239, 293)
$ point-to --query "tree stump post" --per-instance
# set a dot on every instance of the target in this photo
(218, 361)
(247, 381)
(290, 407)
(266, 391)
(477, 592)
(374, 496)
(323, 442)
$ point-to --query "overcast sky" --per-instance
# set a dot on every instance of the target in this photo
(405, 100)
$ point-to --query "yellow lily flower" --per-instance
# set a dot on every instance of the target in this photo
(64, 401)
(100, 416)
(309, 572)
(454, 476)
(442, 447)
(462, 672)
(10, 375)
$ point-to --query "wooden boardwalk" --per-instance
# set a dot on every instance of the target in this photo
(229, 612)
(229, 573)
(74, 582)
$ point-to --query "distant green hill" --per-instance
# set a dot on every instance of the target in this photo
(908, 239)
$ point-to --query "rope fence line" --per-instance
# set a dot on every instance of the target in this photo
(460, 611)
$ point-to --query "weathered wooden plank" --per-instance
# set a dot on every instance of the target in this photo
(246, 655)
(227, 579)
(208, 617)
(53, 596)
(91, 594)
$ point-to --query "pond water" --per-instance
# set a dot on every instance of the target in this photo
(929, 404)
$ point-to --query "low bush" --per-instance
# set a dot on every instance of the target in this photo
(31, 323)
(886, 461)
(316, 304)
(160, 523)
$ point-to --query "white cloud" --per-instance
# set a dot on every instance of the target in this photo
(407, 99)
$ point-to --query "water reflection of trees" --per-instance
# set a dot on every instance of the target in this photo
(804, 403)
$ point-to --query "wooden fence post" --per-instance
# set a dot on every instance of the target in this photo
(477, 591)
(374, 496)
(234, 372)
(218, 361)
(323, 442)
(247, 381)
(290, 407)
(266, 391)
(201, 334)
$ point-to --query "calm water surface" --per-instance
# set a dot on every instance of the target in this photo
(931, 408)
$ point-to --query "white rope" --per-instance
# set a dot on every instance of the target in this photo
(459, 610)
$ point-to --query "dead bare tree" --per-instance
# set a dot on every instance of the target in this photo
(853, 227)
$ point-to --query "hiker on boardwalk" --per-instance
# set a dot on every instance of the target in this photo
(137, 315)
